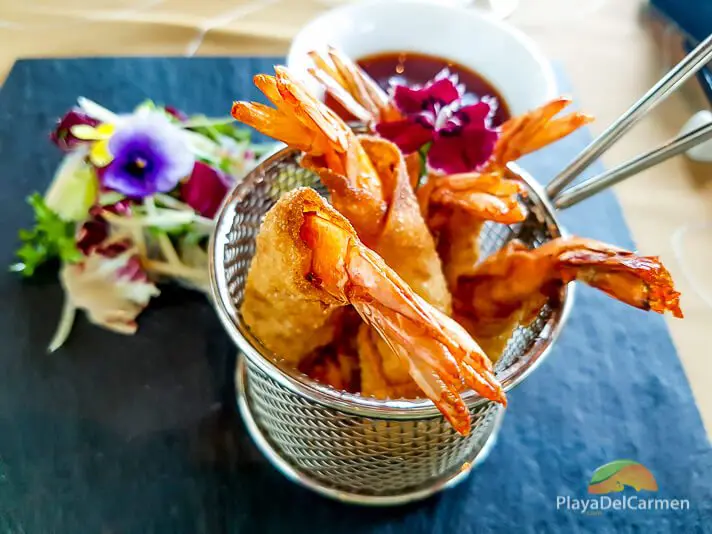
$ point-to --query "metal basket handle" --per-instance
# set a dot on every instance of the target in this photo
(563, 198)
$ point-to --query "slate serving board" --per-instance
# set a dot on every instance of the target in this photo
(140, 434)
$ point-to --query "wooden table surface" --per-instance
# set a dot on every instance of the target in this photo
(611, 52)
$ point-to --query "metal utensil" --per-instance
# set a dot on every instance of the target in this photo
(687, 68)
(590, 187)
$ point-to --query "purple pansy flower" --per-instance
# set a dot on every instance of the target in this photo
(459, 130)
(205, 189)
(150, 155)
(62, 135)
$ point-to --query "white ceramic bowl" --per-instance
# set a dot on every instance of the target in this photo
(508, 59)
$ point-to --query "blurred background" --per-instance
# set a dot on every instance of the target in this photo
(612, 51)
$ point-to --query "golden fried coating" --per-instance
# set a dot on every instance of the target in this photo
(286, 312)
(309, 255)
(511, 286)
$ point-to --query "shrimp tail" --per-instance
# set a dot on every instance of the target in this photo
(639, 281)
(352, 87)
(511, 286)
(536, 129)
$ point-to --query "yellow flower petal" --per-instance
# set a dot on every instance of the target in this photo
(105, 130)
(85, 132)
(91, 133)
(100, 154)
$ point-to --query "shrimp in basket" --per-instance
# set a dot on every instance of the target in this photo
(510, 287)
(309, 256)
(369, 183)
(337, 364)
(456, 206)
(363, 98)
(366, 177)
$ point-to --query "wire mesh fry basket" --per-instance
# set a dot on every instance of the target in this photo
(344, 445)
(370, 451)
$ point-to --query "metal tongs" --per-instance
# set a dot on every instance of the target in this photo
(563, 198)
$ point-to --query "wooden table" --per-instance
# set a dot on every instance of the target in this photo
(611, 53)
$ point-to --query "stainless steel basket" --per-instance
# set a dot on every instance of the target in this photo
(343, 445)
(370, 451)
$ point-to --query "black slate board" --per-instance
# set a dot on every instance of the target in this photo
(139, 434)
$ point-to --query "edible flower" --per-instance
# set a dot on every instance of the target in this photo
(63, 137)
(443, 122)
(130, 206)
(99, 154)
(150, 155)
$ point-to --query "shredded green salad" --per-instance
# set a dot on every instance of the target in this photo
(132, 205)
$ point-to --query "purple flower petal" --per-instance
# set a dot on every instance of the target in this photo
(465, 141)
(62, 135)
(205, 189)
(465, 152)
(150, 156)
(440, 112)
(473, 116)
(408, 134)
(434, 95)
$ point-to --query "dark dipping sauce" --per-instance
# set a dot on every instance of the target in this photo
(408, 68)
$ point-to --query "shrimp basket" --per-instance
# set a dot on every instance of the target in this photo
(368, 451)
(343, 445)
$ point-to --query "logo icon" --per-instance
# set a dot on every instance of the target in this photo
(615, 476)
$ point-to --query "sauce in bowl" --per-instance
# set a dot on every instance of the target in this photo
(407, 68)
